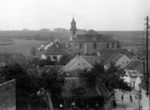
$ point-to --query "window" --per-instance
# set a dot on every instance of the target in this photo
(107, 45)
(118, 45)
(81, 46)
(112, 45)
(94, 45)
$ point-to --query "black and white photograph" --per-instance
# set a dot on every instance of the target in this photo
(74, 55)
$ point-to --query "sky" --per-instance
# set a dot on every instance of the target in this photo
(102, 15)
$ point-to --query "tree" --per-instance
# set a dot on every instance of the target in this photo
(49, 80)
(65, 59)
(24, 85)
(111, 77)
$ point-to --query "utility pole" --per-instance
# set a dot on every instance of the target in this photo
(147, 74)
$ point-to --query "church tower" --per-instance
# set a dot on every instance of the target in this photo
(73, 29)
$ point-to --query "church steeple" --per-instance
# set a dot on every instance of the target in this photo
(73, 28)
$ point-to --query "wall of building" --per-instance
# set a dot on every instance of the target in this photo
(89, 48)
(144, 100)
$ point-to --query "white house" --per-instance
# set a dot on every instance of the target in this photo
(133, 77)
(144, 98)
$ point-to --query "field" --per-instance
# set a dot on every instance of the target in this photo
(20, 46)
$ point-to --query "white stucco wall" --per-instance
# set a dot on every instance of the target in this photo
(144, 100)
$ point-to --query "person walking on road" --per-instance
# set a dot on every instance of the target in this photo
(122, 97)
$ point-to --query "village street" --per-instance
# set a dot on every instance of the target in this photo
(126, 104)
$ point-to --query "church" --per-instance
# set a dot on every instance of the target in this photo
(85, 43)
(90, 42)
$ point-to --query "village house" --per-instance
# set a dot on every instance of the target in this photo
(77, 63)
(118, 59)
(134, 78)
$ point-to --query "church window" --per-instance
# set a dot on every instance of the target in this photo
(94, 45)
(81, 46)
(112, 45)
(107, 45)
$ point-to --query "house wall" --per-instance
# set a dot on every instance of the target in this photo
(88, 47)
(144, 100)
(133, 81)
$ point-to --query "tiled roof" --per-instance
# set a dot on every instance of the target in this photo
(92, 35)
(132, 65)
(107, 53)
(113, 59)
(92, 32)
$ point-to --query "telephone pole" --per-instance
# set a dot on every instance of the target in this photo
(147, 73)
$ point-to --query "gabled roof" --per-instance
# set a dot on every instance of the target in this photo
(113, 59)
(92, 32)
(133, 64)
(74, 62)
(107, 53)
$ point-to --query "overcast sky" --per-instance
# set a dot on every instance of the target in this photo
(89, 14)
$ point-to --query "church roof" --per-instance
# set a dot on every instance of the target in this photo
(73, 21)
(92, 32)
(92, 35)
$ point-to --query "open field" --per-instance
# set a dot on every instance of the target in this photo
(20, 46)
